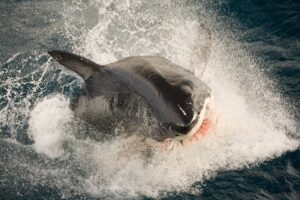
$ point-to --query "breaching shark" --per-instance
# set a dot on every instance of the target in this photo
(181, 103)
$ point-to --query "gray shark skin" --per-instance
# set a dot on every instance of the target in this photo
(125, 89)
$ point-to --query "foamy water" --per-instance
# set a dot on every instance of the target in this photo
(253, 119)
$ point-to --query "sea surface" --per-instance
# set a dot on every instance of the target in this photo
(253, 70)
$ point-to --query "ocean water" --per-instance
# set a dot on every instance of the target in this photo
(253, 70)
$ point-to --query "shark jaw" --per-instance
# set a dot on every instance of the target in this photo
(202, 124)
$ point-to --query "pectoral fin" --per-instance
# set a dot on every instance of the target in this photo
(78, 64)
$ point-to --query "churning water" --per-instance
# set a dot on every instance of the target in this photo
(253, 70)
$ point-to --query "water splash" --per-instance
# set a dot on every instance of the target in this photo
(47, 123)
(253, 118)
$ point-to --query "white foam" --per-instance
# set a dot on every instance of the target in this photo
(47, 125)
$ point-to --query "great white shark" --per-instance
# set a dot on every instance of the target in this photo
(180, 102)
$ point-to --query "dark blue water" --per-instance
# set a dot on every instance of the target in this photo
(268, 31)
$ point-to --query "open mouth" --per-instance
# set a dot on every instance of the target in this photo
(203, 124)
(200, 130)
